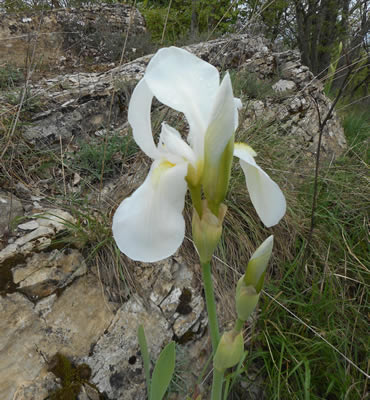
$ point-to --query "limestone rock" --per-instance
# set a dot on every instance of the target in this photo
(49, 224)
(44, 273)
(32, 334)
(58, 32)
(283, 85)
(39, 389)
(79, 317)
(78, 103)
(173, 288)
(10, 208)
(29, 226)
(116, 363)
(21, 332)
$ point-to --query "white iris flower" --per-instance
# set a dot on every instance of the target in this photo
(148, 226)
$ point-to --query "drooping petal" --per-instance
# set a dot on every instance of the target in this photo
(187, 84)
(139, 119)
(266, 196)
(148, 226)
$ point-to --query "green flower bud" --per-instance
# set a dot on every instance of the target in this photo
(255, 271)
(229, 350)
(216, 175)
(246, 299)
(207, 231)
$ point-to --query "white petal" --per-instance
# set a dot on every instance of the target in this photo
(185, 83)
(222, 125)
(178, 150)
(139, 119)
(266, 196)
(148, 226)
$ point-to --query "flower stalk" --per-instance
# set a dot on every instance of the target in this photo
(218, 375)
(211, 305)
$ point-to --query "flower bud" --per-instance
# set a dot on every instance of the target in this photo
(216, 175)
(229, 350)
(255, 271)
(207, 231)
(246, 299)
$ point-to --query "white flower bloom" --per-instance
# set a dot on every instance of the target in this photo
(148, 226)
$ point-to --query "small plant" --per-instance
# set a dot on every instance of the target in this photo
(31, 103)
(10, 76)
(103, 156)
(163, 371)
(356, 124)
(248, 84)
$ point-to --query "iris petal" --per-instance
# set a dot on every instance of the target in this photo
(222, 124)
(171, 142)
(266, 196)
(139, 118)
(187, 84)
(148, 226)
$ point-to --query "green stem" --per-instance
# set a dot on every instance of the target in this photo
(211, 305)
(213, 327)
(238, 325)
(218, 379)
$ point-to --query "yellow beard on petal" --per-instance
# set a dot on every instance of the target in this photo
(246, 147)
(159, 170)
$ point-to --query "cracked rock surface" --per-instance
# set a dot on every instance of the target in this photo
(51, 304)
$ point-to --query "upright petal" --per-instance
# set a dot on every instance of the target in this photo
(148, 226)
(185, 83)
(266, 196)
(139, 119)
(219, 145)
(174, 147)
(222, 123)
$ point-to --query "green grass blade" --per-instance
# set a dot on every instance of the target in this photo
(163, 372)
(307, 381)
(145, 355)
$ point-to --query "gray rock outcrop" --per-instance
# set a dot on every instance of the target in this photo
(63, 36)
(82, 103)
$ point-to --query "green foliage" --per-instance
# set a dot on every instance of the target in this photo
(356, 124)
(332, 68)
(145, 356)
(358, 85)
(207, 16)
(271, 14)
(327, 292)
(163, 369)
(10, 76)
(31, 103)
(103, 156)
(247, 84)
